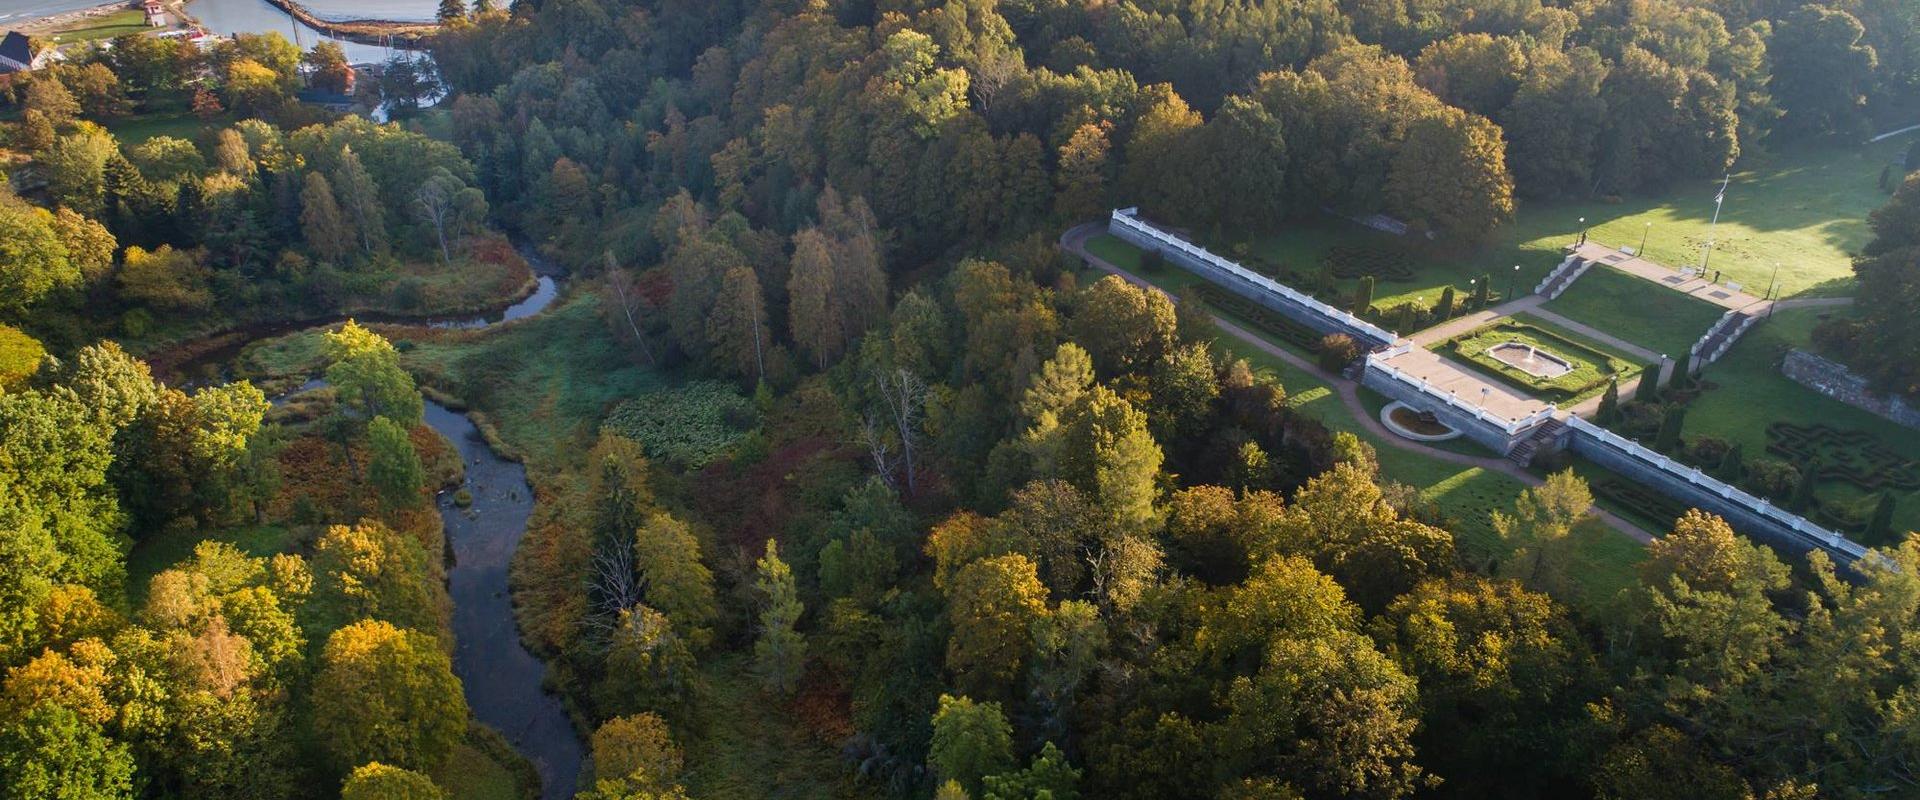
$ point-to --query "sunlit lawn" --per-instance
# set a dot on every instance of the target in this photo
(1639, 311)
(104, 27)
(1750, 394)
(183, 125)
(1804, 209)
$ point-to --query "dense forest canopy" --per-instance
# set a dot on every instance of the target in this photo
(985, 524)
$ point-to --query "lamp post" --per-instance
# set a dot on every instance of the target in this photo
(1643, 240)
(1514, 285)
(1583, 230)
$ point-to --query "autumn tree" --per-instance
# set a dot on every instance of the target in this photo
(992, 605)
(1124, 327)
(970, 741)
(737, 327)
(1107, 452)
(388, 695)
(365, 371)
(636, 751)
(377, 781)
(370, 571)
(1450, 176)
(667, 556)
(326, 229)
(1539, 532)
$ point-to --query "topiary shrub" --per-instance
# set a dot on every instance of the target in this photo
(1337, 350)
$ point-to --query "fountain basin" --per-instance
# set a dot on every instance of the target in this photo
(1419, 426)
(1529, 359)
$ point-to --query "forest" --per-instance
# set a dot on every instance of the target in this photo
(847, 480)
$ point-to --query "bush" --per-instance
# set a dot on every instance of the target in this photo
(1705, 452)
(1379, 261)
(1771, 478)
(1337, 350)
(1838, 337)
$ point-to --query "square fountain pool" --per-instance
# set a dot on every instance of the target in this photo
(1529, 359)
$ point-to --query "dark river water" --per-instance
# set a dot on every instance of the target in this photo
(502, 678)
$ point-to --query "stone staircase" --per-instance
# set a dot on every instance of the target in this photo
(1731, 326)
(1523, 452)
(1563, 276)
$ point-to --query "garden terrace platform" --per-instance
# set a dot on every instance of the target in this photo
(1730, 297)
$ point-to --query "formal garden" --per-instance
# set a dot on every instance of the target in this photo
(1538, 361)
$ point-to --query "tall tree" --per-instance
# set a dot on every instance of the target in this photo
(394, 465)
(1822, 70)
(327, 229)
(359, 199)
(737, 327)
(388, 695)
(779, 652)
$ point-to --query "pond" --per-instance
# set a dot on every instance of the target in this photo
(228, 17)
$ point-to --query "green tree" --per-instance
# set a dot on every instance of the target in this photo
(388, 695)
(1363, 296)
(1821, 70)
(970, 742)
(1343, 521)
(50, 753)
(1125, 328)
(1880, 524)
(1667, 440)
(1450, 176)
(1537, 533)
(779, 652)
(1648, 390)
(1609, 411)
(451, 11)
(992, 606)
(394, 465)
(377, 781)
(33, 259)
(365, 371)
(1107, 452)
(75, 167)
(636, 750)
(359, 200)
(667, 555)
(325, 227)
(1048, 777)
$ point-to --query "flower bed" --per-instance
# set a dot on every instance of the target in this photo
(1589, 368)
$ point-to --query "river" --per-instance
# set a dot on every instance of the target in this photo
(502, 679)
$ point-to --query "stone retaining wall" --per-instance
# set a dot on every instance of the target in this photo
(1752, 516)
(1834, 380)
(1296, 305)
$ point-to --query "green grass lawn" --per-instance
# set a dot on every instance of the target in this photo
(119, 23)
(1591, 367)
(1750, 393)
(1639, 311)
(1802, 208)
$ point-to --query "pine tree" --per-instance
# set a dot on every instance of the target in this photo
(1732, 467)
(1444, 309)
(1880, 525)
(1682, 372)
(1609, 411)
(780, 654)
(1363, 297)
(1649, 389)
(1803, 491)
(1669, 437)
(1483, 291)
(451, 10)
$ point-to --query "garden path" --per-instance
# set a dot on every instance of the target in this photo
(1693, 285)
(1075, 240)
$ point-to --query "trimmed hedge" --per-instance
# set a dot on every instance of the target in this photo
(1652, 506)
(1268, 321)
(1848, 456)
(1384, 263)
(1592, 368)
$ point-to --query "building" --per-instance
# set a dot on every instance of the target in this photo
(156, 14)
(16, 54)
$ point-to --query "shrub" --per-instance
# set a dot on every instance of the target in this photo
(1771, 478)
(1337, 350)
(688, 425)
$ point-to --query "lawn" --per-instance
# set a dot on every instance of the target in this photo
(107, 26)
(1639, 311)
(1803, 209)
(1592, 368)
(1748, 394)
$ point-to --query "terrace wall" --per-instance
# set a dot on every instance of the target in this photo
(1834, 380)
(1752, 516)
(1498, 435)
(1126, 225)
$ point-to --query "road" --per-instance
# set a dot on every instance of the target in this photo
(1074, 241)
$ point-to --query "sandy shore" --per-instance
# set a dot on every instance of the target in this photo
(53, 23)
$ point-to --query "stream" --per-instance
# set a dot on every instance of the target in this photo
(502, 679)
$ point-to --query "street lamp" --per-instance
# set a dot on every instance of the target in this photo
(1583, 230)
(1514, 285)
(1643, 240)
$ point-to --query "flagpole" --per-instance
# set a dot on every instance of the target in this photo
(1718, 200)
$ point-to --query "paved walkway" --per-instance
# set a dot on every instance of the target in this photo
(1074, 241)
(1695, 286)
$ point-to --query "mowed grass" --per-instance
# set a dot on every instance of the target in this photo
(106, 26)
(1802, 208)
(1639, 311)
(1748, 393)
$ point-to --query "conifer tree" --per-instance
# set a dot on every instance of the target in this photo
(780, 654)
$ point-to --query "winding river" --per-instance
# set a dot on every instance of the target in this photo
(501, 677)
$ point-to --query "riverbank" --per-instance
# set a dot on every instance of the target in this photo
(55, 23)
